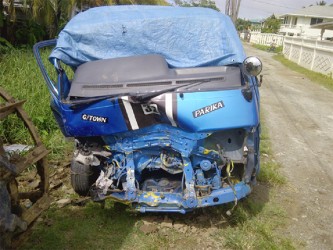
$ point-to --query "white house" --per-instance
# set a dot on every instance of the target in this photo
(301, 22)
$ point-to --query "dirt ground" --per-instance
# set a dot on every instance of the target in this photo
(299, 117)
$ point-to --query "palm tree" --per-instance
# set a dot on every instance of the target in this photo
(2, 18)
(6, 22)
(321, 3)
(54, 14)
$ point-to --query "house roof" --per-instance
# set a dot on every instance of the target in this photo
(313, 11)
(325, 25)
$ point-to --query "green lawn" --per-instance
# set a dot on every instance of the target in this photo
(22, 79)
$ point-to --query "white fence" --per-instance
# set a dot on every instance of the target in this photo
(266, 38)
(311, 54)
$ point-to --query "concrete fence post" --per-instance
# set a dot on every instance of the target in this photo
(283, 47)
(314, 55)
(291, 49)
(332, 70)
(300, 53)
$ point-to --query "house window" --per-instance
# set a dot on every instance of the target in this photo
(316, 20)
(286, 20)
(295, 21)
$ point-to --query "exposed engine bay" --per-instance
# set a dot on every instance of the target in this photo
(170, 169)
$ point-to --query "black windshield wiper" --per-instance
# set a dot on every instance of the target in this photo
(77, 103)
(150, 95)
(139, 98)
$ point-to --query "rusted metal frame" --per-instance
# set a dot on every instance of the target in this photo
(34, 156)
(33, 195)
(37, 155)
(36, 209)
(24, 116)
(31, 128)
(10, 106)
(29, 216)
(6, 96)
(42, 171)
(14, 196)
(9, 109)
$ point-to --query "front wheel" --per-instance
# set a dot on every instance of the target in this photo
(83, 177)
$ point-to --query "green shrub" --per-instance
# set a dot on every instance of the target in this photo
(277, 49)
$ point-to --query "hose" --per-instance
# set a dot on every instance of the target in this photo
(228, 170)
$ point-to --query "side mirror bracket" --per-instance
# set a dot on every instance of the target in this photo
(252, 67)
(260, 80)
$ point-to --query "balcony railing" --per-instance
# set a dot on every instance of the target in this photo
(289, 26)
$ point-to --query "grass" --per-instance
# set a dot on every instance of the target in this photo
(269, 167)
(252, 225)
(319, 78)
(257, 218)
(88, 228)
(22, 79)
(278, 49)
(257, 232)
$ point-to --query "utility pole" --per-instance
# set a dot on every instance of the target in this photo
(232, 9)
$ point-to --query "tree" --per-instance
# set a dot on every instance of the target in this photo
(242, 24)
(271, 25)
(198, 3)
(7, 19)
(140, 2)
(52, 15)
(2, 18)
(321, 3)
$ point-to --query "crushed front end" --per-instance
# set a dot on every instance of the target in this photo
(164, 169)
(165, 122)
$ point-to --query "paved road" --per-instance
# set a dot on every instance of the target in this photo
(299, 116)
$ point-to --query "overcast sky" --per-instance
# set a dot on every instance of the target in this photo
(260, 9)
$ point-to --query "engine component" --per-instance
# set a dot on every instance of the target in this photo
(162, 185)
(171, 163)
(205, 165)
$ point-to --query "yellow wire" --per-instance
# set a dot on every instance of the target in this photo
(117, 163)
(232, 166)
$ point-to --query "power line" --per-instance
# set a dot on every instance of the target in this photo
(277, 5)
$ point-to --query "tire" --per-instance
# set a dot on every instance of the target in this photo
(82, 177)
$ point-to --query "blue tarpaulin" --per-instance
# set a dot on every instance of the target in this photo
(186, 37)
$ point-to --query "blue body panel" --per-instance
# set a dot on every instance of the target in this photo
(236, 112)
(72, 124)
(171, 203)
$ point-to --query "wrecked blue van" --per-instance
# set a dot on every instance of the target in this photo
(163, 106)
